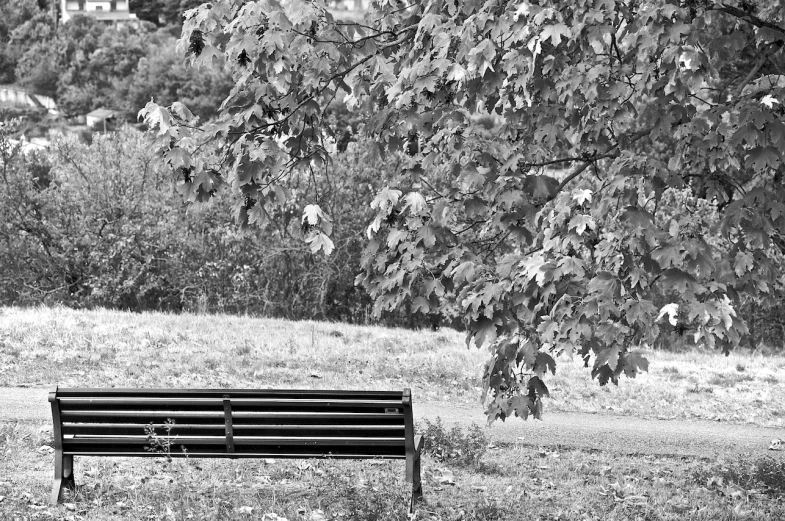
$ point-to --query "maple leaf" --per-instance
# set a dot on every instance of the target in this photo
(580, 222)
(540, 186)
(637, 217)
(743, 263)
(582, 196)
(415, 202)
(537, 388)
(769, 101)
(681, 281)
(484, 331)
(555, 33)
(668, 256)
(456, 73)
(672, 310)
(763, 158)
(544, 363)
(633, 363)
(609, 357)
(386, 199)
(320, 242)
(312, 214)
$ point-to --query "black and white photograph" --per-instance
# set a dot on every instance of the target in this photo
(392, 260)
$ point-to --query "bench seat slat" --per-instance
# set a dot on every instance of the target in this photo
(233, 393)
(256, 454)
(240, 430)
(218, 426)
(120, 413)
(66, 403)
(88, 439)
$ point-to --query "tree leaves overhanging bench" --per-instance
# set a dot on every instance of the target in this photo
(237, 423)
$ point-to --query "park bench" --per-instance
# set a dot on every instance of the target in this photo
(236, 423)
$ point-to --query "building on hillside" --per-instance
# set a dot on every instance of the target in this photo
(99, 117)
(111, 12)
(348, 10)
(17, 97)
(27, 146)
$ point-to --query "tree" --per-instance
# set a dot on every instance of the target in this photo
(162, 75)
(635, 174)
(147, 10)
(16, 15)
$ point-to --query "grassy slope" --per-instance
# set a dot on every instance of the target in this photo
(40, 347)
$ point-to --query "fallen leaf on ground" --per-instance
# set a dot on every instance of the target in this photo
(273, 517)
(741, 513)
(446, 477)
(317, 515)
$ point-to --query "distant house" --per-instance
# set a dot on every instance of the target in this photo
(99, 117)
(111, 12)
(349, 10)
(16, 97)
(33, 145)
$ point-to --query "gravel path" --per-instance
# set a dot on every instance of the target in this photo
(617, 434)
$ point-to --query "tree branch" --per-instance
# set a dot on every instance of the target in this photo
(591, 160)
(765, 56)
(747, 17)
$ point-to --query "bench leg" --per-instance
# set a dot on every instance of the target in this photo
(64, 475)
(415, 475)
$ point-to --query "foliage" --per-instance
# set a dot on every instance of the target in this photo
(13, 14)
(548, 228)
(162, 76)
(453, 445)
(102, 225)
(162, 11)
(84, 65)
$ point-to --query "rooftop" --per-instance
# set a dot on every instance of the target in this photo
(101, 113)
(103, 15)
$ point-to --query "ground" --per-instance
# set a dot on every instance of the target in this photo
(687, 441)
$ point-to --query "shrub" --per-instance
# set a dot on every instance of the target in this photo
(102, 224)
(453, 445)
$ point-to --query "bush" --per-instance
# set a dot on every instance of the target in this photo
(102, 224)
(453, 445)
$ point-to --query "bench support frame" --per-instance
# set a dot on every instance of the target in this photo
(413, 451)
(64, 464)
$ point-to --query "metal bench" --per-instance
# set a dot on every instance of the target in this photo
(236, 423)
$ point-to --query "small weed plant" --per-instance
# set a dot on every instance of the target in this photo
(161, 444)
(454, 445)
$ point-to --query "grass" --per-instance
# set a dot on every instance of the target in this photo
(42, 346)
(466, 475)
(508, 482)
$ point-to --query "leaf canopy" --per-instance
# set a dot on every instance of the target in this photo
(572, 167)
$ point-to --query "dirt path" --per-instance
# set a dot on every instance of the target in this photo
(617, 434)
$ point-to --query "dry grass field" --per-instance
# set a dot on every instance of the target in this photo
(40, 347)
(485, 482)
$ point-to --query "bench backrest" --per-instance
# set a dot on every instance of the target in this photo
(234, 422)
